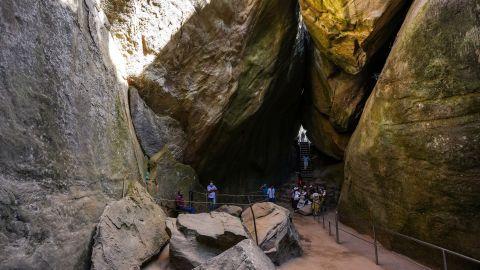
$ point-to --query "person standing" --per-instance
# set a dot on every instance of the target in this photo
(306, 160)
(212, 195)
(296, 198)
(180, 204)
(271, 194)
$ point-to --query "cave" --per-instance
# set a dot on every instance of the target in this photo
(108, 103)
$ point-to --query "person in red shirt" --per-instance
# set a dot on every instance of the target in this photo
(180, 204)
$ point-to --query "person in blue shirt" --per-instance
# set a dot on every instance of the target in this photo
(271, 194)
(212, 195)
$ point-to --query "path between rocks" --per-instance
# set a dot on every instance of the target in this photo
(322, 252)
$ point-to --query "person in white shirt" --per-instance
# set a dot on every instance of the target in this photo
(271, 194)
(212, 195)
(295, 198)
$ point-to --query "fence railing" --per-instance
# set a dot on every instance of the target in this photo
(374, 243)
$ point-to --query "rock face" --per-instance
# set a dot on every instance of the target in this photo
(130, 232)
(231, 77)
(66, 145)
(195, 238)
(154, 132)
(348, 38)
(413, 162)
(230, 209)
(244, 255)
(169, 176)
(277, 236)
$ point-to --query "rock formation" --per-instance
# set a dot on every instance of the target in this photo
(195, 238)
(413, 162)
(244, 255)
(276, 234)
(65, 138)
(346, 54)
(231, 76)
(153, 131)
(230, 209)
(130, 232)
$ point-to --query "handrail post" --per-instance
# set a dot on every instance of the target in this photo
(329, 229)
(323, 220)
(206, 202)
(254, 224)
(336, 228)
(375, 243)
(445, 267)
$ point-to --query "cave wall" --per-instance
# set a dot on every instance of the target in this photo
(413, 162)
(231, 76)
(65, 137)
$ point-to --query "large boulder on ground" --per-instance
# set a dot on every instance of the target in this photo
(413, 162)
(233, 210)
(195, 238)
(232, 67)
(349, 49)
(155, 132)
(65, 135)
(276, 234)
(244, 255)
(130, 232)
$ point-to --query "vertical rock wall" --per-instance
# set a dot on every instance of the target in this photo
(65, 138)
(413, 161)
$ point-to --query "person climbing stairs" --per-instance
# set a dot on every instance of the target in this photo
(306, 168)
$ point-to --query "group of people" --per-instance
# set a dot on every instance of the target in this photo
(304, 196)
(268, 192)
(211, 196)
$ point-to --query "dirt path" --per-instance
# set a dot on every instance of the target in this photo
(322, 252)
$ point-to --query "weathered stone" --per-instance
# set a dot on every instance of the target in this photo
(323, 135)
(65, 138)
(349, 32)
(169, 176)
(130, 232)
(244, 255)
(233, 66)
(277, 235)
(306, 210)
(230, 209)
(413, 162)
(195, 238)
(153, 131)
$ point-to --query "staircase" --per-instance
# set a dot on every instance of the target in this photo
(306, 173)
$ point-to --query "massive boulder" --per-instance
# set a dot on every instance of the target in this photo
(168, 176)
(275, 231)
(244, 255)
(130, 232)
(155, 132)
(413, 162)
(195, 238)
(65, 138)
(231, 77)
(349, 40)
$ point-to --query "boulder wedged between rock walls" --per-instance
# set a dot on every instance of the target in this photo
(168, 176)
(277, 235)
(232, 67)
(155, 132)
(244, 255)
(195, 238)
(413, 162)
(233, 210)
(351, 41)
(130, 232)
(65, 138)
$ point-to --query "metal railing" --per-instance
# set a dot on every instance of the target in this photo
(375, 242)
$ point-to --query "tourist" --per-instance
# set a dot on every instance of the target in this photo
(180, 204)
(296, 198)
(264, 190)
(315, 203)
(306, 160)
(299, 180)
(271, 194)
(212, 196)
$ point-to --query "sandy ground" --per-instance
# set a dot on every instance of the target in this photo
(322, 252)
